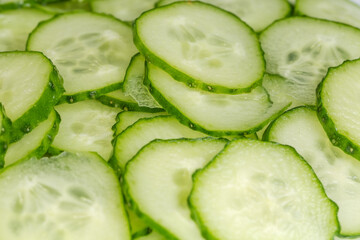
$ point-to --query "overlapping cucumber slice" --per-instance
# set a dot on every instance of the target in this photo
(302, 49)
(91, 51)
(143, 131)
(337, 105)
(213, 113)
(85, 126)
(201, 45)
(158, 182)
(16, 25)
(70, 196)
(35, 77)
(261, 190)
(5, 128)
(35, 143)
(338, 172)
(344, 11)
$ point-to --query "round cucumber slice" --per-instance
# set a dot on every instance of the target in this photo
(301, 49)
(202, 45)
(91, 51)
(337, 111)
(261, 190)
(62, 198)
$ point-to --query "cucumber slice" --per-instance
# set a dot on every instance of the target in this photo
(137, 225)
(338, 172)
(337, 112)
(35, 143)
(201, 45)
(343, 11)
(126, 10)
(258, 14)
(133, 83)
(133, 138)
(85, 126)
(91, 51)
(40, 85)
(62, 197)
(65, 6)
(261, 190)
(16, 25)
(5, 128)
(301, 49)
(126, 119)
(212, 113)
(157, 182)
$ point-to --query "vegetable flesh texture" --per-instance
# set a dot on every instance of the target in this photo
(207, 46)
(338, 172)
(304, 60)
(85, 126)
(70, 196)
(260, 190)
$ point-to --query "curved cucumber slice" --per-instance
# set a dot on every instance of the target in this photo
(62, 198)
(212, 113)
(258, 14)
(126, 10)
(337, 112)
(5, 128)
(133, 138)
(85, 126)
(201, 45)
(91, 51)
(134, 86)
(34, 143)
(157, 182)
(338, 172)
(16, 25)
(343, 11)
(126, 119)
(40, 85)
(302, 49)
(261, 190)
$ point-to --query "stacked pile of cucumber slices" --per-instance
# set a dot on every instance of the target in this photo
(184, 120)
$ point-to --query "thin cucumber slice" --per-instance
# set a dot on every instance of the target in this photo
(337, 112)
(152, 236)
(338, 172)
(34, 143)
(133, 138)
(133, 83)
(212, 113)
(157, 182)
(62, 197)
(5, 128)
(126, 119)
(126, 10)
(258, 14)
(301, 49)
(343, 11)
(261, 190)
(91, 51)
(40, 85)
(119, 99)
(16, 25)
(201, 45)
(85, 126)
